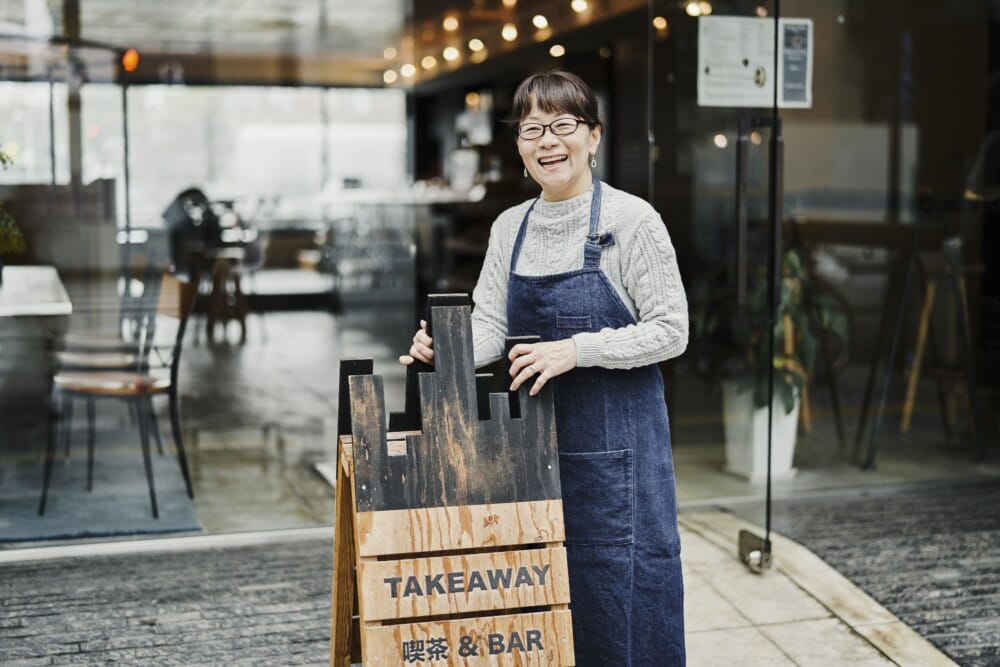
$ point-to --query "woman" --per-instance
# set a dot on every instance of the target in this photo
(592, 271)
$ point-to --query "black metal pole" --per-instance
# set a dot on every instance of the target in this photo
(127, 247)
(774, 264)
(52, 127)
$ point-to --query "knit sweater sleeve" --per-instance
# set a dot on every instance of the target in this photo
(653, 282)
(489, 317)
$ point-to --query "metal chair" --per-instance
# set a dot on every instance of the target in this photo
(137, 387)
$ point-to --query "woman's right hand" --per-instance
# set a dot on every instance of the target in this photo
(422, 348)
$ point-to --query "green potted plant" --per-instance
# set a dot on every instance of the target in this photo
(11, 239)
(735, 357)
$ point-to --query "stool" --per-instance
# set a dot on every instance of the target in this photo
(226, 301)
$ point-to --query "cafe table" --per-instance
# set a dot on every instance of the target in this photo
(34, 313)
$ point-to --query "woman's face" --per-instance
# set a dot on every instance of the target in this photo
(559, 163)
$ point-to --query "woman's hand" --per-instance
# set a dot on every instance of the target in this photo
(543, 361)
(422, 348)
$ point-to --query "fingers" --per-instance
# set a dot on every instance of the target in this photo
(541, 361)
(421, 349)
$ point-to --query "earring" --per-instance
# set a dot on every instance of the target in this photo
(525, 172)
(593, 162)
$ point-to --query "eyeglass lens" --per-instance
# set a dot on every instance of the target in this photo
(560, 127)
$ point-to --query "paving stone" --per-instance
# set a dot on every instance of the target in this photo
(929, 554)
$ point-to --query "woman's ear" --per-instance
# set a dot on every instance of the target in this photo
(595, 139)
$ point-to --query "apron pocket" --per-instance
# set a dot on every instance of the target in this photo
(574, 322)
(597, 497)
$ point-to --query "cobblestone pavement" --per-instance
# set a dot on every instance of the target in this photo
(266, 605)
(930, 555)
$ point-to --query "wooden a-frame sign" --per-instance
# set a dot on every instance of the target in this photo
(449, 522)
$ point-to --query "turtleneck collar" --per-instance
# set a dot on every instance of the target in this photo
(560, 209)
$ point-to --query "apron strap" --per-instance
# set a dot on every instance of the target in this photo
(520, 236)
(593, 247)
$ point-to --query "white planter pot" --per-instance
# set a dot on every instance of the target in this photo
(746, 435)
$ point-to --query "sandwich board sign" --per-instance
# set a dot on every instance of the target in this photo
(449, 524)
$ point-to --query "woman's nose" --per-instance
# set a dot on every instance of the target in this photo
(548, 138)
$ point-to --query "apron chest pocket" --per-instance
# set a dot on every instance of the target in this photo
(574, 322)
(597, 497)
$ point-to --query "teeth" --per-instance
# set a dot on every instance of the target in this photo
(551, 160)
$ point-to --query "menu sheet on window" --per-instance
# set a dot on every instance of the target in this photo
(736, 62)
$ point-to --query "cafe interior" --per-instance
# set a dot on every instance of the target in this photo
(206, 206)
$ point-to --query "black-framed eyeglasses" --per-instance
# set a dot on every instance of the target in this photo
(559, 127)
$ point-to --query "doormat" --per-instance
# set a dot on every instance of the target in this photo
(118, 505)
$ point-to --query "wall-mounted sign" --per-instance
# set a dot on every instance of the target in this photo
(736, 62)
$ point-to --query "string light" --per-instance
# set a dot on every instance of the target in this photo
(509, 32)
(705, 7)
(557, 51)
(389, 53)
(660, 23)
(693, 8)
(540, 21)
(579, 6)
(450, 53)
(429, 62)
(390, 76)
(720, 141)
(476, 44)
(450, 23)
(408, 70)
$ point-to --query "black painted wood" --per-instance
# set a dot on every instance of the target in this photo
(349, 367)
(459, 457)
(409, 418)
(515, 405)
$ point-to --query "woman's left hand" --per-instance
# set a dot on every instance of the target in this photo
(543, 361)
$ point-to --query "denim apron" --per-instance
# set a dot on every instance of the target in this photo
(616, 470)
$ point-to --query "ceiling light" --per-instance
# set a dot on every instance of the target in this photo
(720, 141)
(579, 6)
(557, 51)
(540, 22)
(705, 7)
(389, 53)
(509, 32)
(429, 62)
(450, 23)
(408, 70)
(130, 60)
(450, 53)
(692, 8)
(660, 23)
(476, 44)
(390, 76)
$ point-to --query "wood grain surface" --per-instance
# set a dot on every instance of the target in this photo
(423, 530)
(543, 638)
(458, 458)
(458, 584)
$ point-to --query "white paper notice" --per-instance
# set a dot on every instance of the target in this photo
(736, 62)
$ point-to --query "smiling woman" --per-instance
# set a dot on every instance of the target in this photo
(592, 271)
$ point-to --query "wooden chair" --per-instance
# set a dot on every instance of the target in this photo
(136, 387)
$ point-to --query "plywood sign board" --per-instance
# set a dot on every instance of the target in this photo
(454, 528)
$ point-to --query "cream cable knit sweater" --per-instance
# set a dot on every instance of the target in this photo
(641, 265)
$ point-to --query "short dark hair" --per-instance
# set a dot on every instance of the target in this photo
(555, 91)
